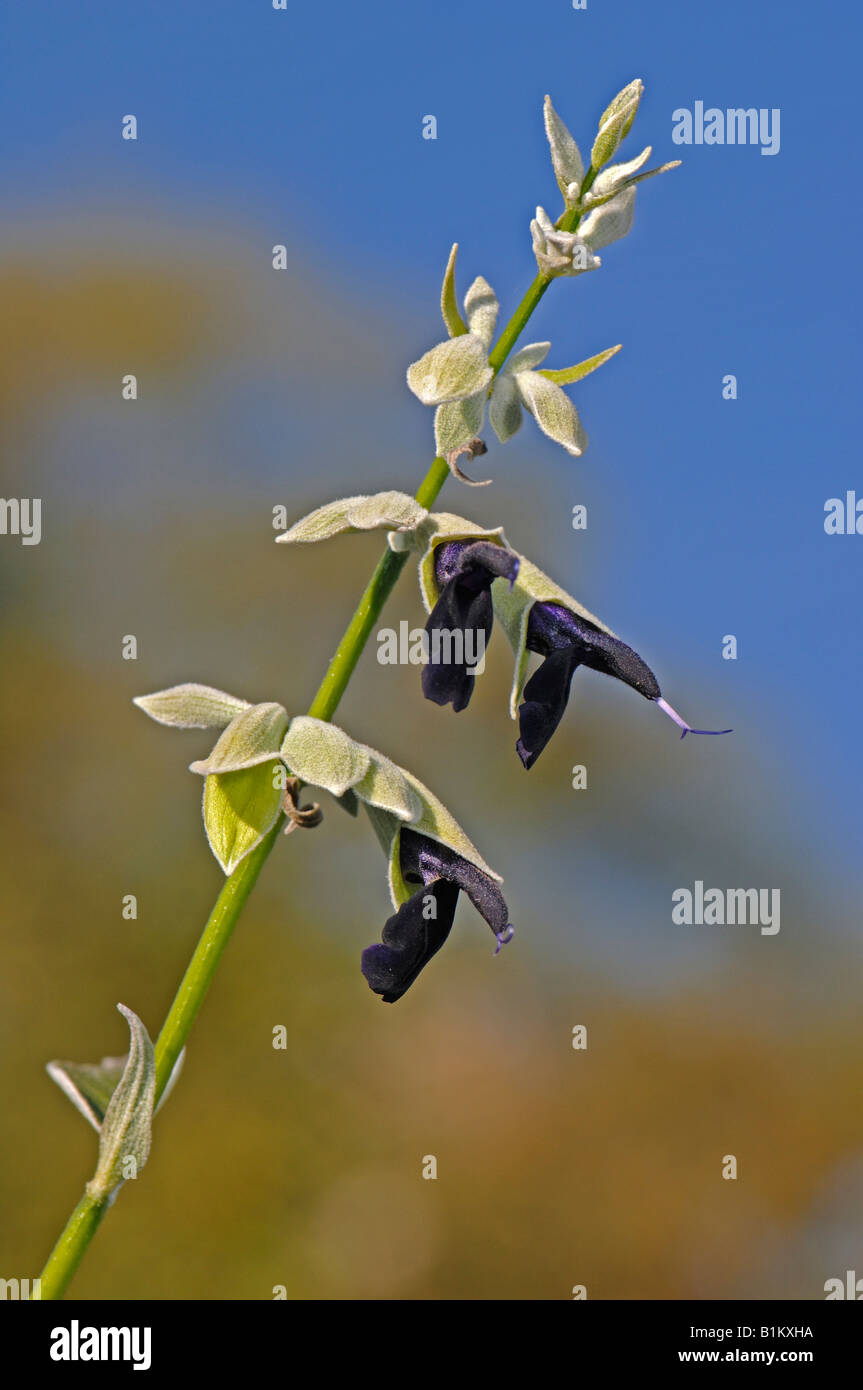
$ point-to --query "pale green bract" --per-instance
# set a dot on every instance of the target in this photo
(252, 737)
(245, 781)
(90, 1085)
(565, 155)
(191, 707)
(615, 123)
(364, 513)
(452, 370)
(610, 222)
(239, 809)
(124, 1135)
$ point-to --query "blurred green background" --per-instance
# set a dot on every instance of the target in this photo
(303, 1167)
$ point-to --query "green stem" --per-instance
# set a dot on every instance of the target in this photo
(69, 1250)
(84, 1221)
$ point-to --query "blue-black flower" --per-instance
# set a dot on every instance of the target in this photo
(566, 641)
(421, 926)
(461, 621)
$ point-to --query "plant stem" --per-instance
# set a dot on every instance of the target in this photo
(69, 1250)
(84, 1221)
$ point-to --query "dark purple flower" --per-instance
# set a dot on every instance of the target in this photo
(421, 926)
(461, 621)
(568, 641)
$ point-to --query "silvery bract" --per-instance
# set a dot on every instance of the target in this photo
(565, 156)
(191, 707)
(557, 252)
(242, 789)
(452, 371)
(245, 774)
(90, 1085)
(518, 386)
(392, 510)
(423, 843)
(610, 222)
(124, 1135)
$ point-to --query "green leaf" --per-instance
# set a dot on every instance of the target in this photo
(452, 370)
(553, 411)
(482, 308)
(455, 324)
(324, 755)
(565, 155)
(125, 1130)
(252, 738)
(191, 707)
(565, 376)
(239, 809)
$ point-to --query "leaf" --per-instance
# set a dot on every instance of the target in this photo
(565, 155)
(191, 706)
(482, 307)
(553, 411)
(458, 422)
(455, 324)
(452, 370)
(609, 223)
(324, 755)
(252, 738)
(504, 410)
(125, 1131)
(239, 809)
(565, 376)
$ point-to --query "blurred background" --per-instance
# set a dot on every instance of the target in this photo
(258, 388)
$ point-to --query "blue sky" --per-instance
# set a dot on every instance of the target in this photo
(706, 516)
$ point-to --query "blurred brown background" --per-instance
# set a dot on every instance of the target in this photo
(303, 1167)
